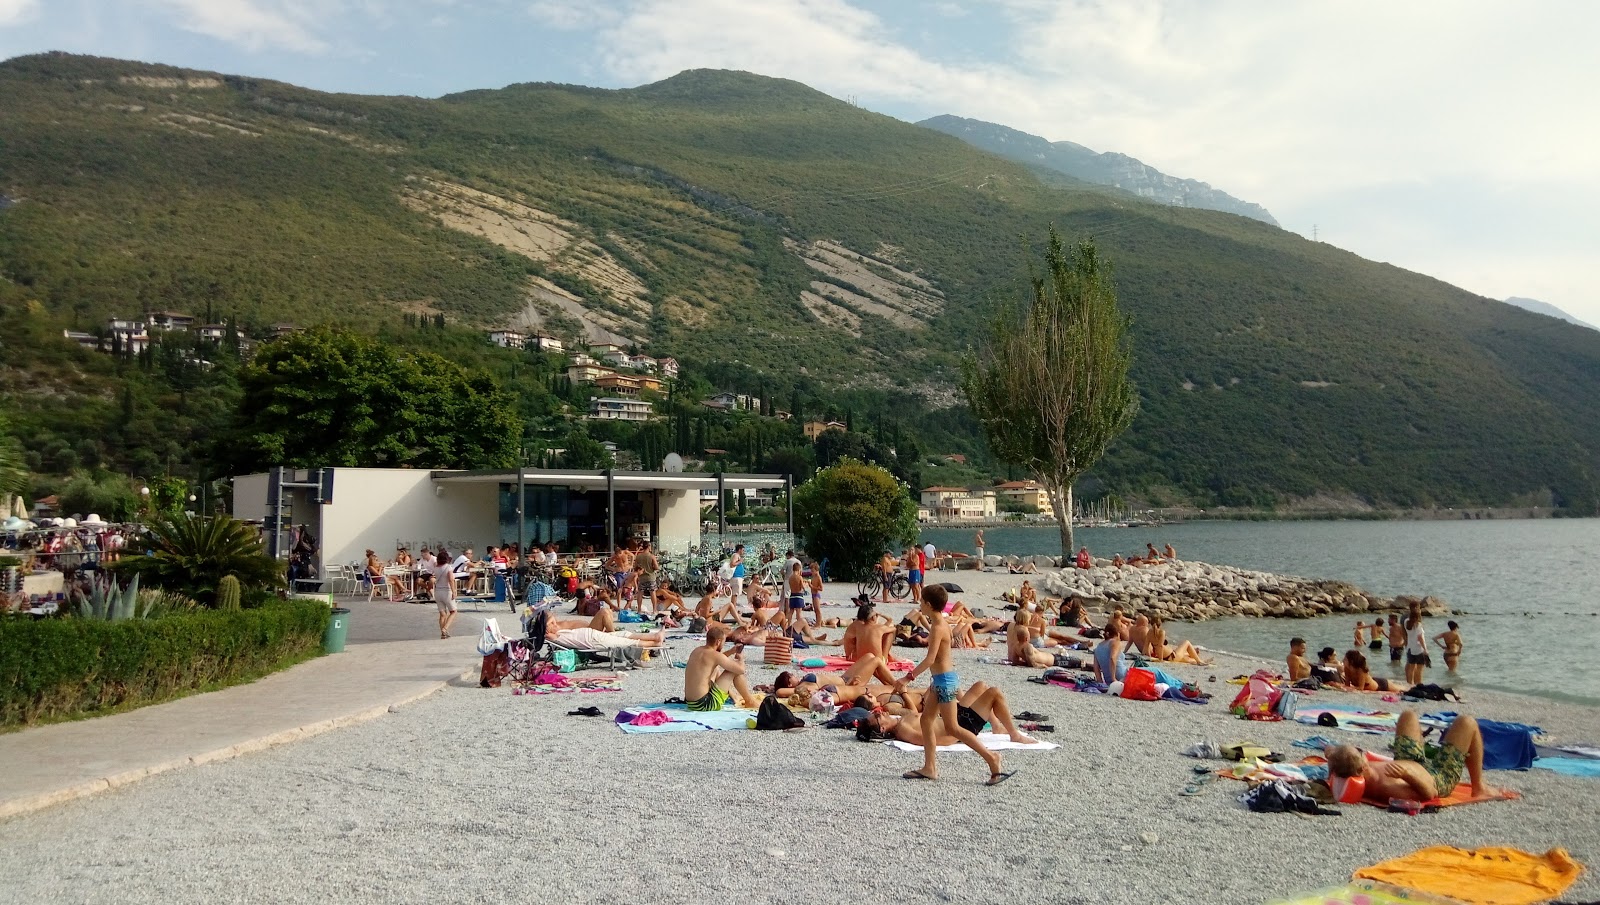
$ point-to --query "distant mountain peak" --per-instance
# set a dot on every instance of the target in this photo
(711, 86)
(1546, 308)
(1109, 168)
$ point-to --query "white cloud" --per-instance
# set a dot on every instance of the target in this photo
(16, 12)
(571, 15)
(254, 25)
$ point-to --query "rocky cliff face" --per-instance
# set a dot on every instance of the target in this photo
(1109, 168)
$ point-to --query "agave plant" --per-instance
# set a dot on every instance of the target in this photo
(154, 602)
(190, 556)
(108, 601)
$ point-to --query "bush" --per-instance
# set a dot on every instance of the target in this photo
(191, 556)
(850, 513)
(53, 668)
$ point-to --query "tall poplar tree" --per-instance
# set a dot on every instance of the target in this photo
(1051, 386)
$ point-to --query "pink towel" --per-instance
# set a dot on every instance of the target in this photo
(652, 718)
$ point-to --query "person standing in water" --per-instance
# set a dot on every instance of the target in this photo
(1451, 642)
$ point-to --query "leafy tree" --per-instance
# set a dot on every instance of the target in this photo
(583, 451)
(111, 496)
(1051, 389)
(191, 556)
(13, 468)
(850, 513)
(333, 397)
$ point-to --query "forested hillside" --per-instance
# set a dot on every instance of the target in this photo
(773, 239)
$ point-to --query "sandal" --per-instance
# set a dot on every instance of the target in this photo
(997, 778)
(916, 774)
(1030, 716)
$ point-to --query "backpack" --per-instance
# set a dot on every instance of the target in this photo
(775, 715)
(1286, 704)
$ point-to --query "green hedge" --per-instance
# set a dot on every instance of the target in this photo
(59, 668)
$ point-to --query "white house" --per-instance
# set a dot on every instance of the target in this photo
(619, 409)
(668, 367)
(949, 504)
(546, 344)
(508, 339)
(385, 508)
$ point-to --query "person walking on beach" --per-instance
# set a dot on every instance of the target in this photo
(736, 581)
(444, 592)
(977, 541)
(939, 704)
(913, 567)
(1451, 642)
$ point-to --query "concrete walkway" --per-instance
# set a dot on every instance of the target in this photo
(394, 656)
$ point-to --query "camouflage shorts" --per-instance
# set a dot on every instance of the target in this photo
(1443, 763)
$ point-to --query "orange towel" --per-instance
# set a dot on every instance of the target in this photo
(1487, 876)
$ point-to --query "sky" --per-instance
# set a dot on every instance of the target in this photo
(1456, 139)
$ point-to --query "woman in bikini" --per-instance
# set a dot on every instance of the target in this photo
(1185, 652)
(1358, 676)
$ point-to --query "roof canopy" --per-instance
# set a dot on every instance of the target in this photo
(625, 480)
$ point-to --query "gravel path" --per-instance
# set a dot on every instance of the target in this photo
(480, 796)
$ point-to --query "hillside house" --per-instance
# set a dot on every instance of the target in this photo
(508, 339)
(619, 409)
(954, 504)
(625, 384)
(815, 429)
(668, 368)
(130, 335)
(547, 344)
(587, 372)
(84, 340)
(169, 320)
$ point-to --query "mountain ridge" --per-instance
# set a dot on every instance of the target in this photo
(1103, 168)
(804, 250)
(1539, 307)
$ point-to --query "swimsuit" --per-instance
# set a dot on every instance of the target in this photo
(915, 576)
(1443, 763)
(714, 699)
(970, 719)
(944, 685)
(797, 601)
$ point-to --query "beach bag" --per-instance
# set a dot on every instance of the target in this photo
(778, 652)
(494, 669)
(775, 715)
(1255, 700)
(490, 640)
(1286, 704)
(1140, 685)
(565, 660)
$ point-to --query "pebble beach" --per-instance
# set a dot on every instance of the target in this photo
(479, 795)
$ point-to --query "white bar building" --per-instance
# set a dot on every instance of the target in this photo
(384, 508)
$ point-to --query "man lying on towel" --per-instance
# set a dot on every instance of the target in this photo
(710, 674)
(1415, 773)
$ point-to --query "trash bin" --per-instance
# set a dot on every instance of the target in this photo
(338, 627)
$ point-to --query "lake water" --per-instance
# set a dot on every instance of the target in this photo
(1531, 587)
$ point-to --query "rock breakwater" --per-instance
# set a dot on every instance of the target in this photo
(1196, 591)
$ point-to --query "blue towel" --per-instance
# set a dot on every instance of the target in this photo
(1570, 766)
(1506, 746)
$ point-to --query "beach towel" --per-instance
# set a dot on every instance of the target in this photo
(1570, 766)
(1506, 746)
(990, 740)
(1486, 876)
(1351, 719)
(840, 664)
(682, 719)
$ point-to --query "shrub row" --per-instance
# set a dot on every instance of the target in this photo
(53, 668)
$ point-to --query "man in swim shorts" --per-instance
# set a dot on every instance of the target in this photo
(1416, 773)
(710, 675)
(913, 567)
(1397, 639)
(939, 706)
(797, 593)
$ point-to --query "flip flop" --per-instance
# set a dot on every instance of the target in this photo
(1031, 717)
(915, 774)
(997, 778)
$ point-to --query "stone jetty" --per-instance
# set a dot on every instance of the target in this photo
(1196, 591)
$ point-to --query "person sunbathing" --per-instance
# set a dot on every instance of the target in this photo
(711, 677)
(845, 686)
(1024, 567)
(1358, 676)
(1296, 661)
(706, 609)
(1139, 634)
(979, 704)
(595, 639)
(665, 600)
(1185, 652)
(870, 633)
(1022, 647)
(1415, 773)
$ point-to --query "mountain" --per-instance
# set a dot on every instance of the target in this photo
(776, 241)
(1108, 168)
(1539, 307)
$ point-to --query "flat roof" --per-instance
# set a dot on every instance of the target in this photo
(625, 480)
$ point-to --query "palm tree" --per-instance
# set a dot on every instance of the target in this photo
(191, 555)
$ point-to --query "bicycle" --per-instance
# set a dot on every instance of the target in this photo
(872, 585)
